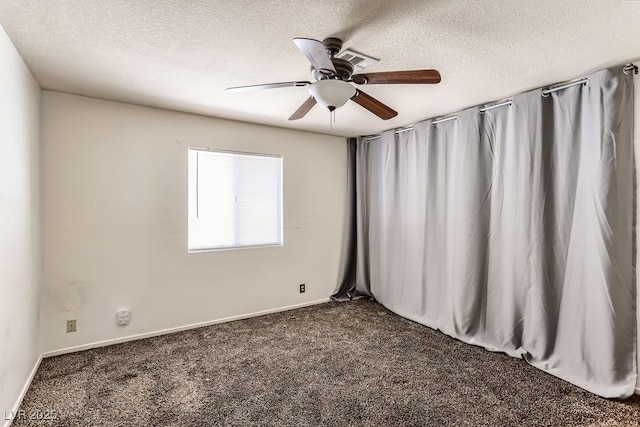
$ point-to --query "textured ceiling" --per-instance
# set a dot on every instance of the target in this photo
(182, 54)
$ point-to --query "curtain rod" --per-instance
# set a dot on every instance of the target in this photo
(446, 119)
(630, 68)
(546, 92)
(627, 69)
(491, 107)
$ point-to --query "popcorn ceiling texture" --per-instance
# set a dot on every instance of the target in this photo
(183, 54)
(334, 364)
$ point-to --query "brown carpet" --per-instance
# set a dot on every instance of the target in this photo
(336, 364)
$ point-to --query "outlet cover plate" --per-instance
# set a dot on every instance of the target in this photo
(71, 325)
(123, 317)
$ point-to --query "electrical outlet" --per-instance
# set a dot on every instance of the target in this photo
(123, 317)
(302, 288)
(71, 325)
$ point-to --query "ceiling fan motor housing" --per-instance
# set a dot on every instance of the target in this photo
(344, 70)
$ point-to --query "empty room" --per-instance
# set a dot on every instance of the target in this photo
(319, 213)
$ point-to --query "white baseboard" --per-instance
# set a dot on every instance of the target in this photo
(178, 329)
(637, 390)
(23, 392)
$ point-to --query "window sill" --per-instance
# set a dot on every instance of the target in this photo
(235, 248)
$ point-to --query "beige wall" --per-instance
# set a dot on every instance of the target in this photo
(19, 226)
(115, 221)
(126, 244)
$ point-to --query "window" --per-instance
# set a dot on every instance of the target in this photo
(235, 200)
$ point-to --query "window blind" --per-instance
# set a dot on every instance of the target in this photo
(235, 200)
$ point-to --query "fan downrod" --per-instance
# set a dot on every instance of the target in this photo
(333, 46)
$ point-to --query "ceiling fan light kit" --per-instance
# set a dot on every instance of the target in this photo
(332, 94)
(333, 76)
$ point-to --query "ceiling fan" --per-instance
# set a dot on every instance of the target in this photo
(333, 76)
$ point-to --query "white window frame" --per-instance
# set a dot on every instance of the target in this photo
(192, 204)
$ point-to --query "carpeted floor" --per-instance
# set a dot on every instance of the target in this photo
(336, 364)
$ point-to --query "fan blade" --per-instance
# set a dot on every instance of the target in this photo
(398, 77)
(267, 86)
(373, 105)
(303, 109)
(316, 53)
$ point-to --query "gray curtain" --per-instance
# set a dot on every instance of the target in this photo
(512, 230)
(353, 280)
